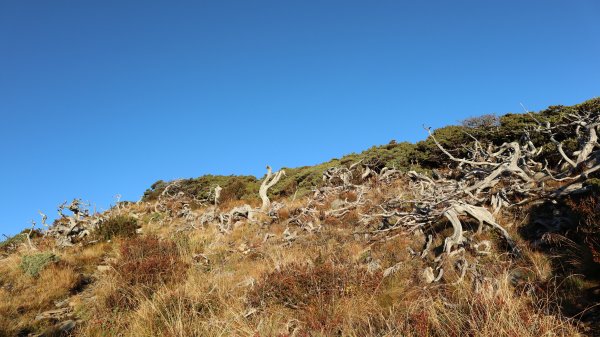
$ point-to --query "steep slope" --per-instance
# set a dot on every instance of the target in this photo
(489, 228)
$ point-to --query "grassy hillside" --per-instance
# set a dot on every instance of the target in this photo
(341, 256)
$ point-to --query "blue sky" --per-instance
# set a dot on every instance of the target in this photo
(99, 98)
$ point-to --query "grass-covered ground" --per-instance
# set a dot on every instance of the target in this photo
(148, 271)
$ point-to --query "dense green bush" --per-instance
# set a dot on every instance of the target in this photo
(239, 187)
(453, 138)
(35, 263)
(118, 226)
(301, 180)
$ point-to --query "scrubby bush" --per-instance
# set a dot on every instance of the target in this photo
(144, 264)
(14, 241)
(149, 261)
(315, 291)
(118, 226)
(485, 121)
(300, 285)
(240, 187)
(452, 138)
(586, 211)
(236, 190)
(35, 263)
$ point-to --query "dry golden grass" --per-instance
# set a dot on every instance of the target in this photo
(238, 284)
(22, 297)
(214, 298)
(88, 257)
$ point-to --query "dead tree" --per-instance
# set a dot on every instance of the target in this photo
(218, 190)
(270, 180)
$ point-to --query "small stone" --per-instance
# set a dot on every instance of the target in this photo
(104, 269)
(61, 304)
(66, 326)
(243, 248)
(53, 314)
(373, 266)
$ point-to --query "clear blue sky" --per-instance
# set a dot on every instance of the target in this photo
(106, 97)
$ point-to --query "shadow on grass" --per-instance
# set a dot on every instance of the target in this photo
(568, 232)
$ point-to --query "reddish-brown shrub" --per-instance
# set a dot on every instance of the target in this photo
(351, 219)
(283, 213)
(118, 226)
(349, 196)
(233, 191)
(587, 208)
(321, 317)
(299, 285)
(315, 292)
(332, 221)
(150, 261)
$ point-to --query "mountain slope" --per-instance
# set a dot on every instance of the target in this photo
(488, 228)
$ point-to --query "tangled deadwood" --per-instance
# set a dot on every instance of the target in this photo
(70, 228)
(477, 187)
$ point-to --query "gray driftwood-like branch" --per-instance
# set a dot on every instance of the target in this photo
(270, 180)
(218, 190)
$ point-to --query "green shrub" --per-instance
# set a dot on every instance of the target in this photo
(593, 184)
(452, 138)
(237, 187)
(118, 226)
(14, 241)
(35, 263)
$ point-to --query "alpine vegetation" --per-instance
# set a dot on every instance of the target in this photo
(489, 228)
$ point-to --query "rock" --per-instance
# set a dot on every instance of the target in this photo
(59, 329)
(61, 304)
(54, 314)
(66, 326)
(104, 269)
(373, 266)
